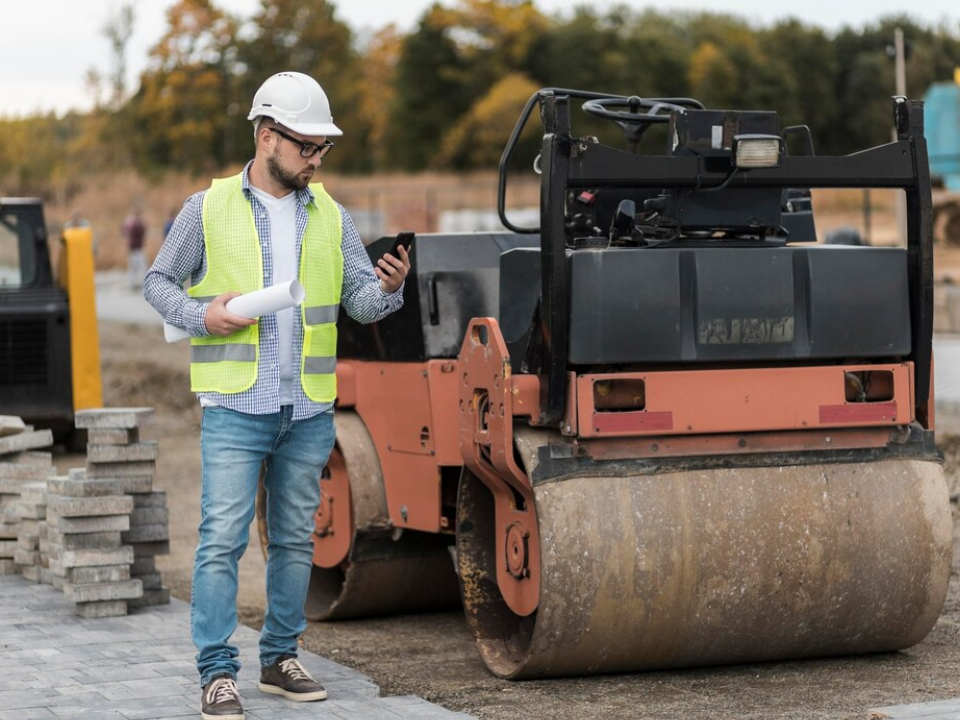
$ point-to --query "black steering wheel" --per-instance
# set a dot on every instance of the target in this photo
(637, 113)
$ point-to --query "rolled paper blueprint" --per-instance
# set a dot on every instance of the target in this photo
(252, 305)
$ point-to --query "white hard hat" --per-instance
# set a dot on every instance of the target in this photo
(296, 101)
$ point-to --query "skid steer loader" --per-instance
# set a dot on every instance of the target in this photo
(49, 349)
(665, 428)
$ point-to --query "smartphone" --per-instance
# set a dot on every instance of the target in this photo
(403, 238)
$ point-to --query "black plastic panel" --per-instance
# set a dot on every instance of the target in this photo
(737, 304)
(453, 278)
(35, 371)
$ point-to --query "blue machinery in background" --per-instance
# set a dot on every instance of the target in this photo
(942, 120)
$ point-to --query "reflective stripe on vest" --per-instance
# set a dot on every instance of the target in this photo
(321, 273)
(235, 263)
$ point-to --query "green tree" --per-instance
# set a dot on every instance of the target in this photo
(449, 63)
(378, 92)
(306, 36)
(478, 138)
(809, 57)
(183, 107)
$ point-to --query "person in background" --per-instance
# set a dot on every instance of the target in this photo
(266, 386)
(134, 232)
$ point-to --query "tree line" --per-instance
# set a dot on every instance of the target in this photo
(445, 95)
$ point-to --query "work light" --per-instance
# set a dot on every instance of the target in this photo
(757, 151)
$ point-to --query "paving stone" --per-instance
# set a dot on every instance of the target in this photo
(146, 533)
(121, 469)
(115, 418)
(102, 591)
(141, 549)
(103, 573)
(67, 507)
(133, 452)
(28, 542)
(150, 598)
(11, 425)
(102, 523)
(148, 516)
(85, 487)
(25, 471)
(27, 714)
(26, 441)
(31, 573)
(30, 527)
(151, 581)
(29, 510)
(101, 609)
(12, 486)
(30, 457)
(34, 493)
(84, 541)
(93, 557)
(137, 484)
(112, 436)
(155, 499)
(143, 565)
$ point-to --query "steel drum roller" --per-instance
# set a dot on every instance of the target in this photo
(716, 566)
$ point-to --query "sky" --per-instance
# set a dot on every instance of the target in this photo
(47, 47)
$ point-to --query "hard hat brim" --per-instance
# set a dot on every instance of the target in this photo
(325, 129)
(316, 129)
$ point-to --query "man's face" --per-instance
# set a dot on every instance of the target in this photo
(286, 163)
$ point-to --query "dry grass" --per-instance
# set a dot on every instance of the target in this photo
(406, 202)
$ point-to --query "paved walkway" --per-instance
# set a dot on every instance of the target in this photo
(56, 665)
(937, 710)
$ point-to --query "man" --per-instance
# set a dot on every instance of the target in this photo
(134, 230)
(266, 387)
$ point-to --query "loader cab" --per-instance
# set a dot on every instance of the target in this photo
(43, 376)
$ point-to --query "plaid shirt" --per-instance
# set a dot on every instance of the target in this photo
(183, 255)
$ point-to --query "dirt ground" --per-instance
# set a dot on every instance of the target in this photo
(432, 655)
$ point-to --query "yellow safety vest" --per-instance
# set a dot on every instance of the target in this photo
(235, 263)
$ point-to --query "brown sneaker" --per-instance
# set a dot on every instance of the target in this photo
(289, 678)
(221, 700)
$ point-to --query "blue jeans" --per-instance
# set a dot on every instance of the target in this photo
(233, 446)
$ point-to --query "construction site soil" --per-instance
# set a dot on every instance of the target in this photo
(432, 655)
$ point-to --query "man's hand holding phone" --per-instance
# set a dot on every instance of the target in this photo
(393, 267)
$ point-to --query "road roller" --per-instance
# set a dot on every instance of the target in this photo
(664, 428)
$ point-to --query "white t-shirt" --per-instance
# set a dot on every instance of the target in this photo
(283, 248)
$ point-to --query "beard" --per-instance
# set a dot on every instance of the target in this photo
(289, 180)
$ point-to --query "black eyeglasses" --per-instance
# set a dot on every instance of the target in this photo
(307, 150)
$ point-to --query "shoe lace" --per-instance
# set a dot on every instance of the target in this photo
(295, 670)
(225, 690)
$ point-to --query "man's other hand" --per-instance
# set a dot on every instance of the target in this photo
(392, 271)
(222, 322)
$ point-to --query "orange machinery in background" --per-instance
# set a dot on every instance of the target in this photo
(666, 427)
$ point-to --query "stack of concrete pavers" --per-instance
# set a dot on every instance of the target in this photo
(115, 451)
(86, 555)
(20, 464)
(31, 511)
(150, 536)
